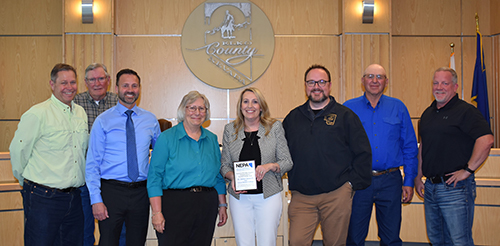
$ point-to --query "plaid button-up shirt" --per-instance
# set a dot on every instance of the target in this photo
(92, 108)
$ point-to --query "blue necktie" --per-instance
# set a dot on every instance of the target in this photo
(132, 167)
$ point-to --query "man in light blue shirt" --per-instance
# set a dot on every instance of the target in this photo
(116, 172)
(392, 138)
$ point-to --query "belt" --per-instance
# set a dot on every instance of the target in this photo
(130, 185)
(196, 189)
(438, 179)
(66, 190)
(378, 173)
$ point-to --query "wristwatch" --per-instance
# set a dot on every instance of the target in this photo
(469, 170)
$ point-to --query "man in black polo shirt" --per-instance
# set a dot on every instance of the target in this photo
(456, 140)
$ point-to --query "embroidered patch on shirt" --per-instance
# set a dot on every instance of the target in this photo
(330, 119)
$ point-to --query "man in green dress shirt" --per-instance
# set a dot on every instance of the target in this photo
(48, 158)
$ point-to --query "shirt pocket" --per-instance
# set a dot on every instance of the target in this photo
(55, 138)
(393, 126)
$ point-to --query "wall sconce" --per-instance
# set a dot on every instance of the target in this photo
(87, 13)
(368, 7)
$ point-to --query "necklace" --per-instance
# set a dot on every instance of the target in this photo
(251, 136)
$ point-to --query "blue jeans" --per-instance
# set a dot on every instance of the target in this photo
(88, 218)
(449, 212)
(385, 192)
(52, 217)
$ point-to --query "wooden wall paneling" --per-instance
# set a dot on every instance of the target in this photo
(414, 122)
(495, 81)
(287, 17)
(283, 82)
(413, 227)
(7, 130)
(352, 66)
(12, 232)
(488, 196)
(414, 60)
(469, 61)
(359, 51)
(26, 17)
(490, 168)
(6, 175)
(303, 17)
(426, 17)
(11, 200)
(102, 17)
(82, 50)
(153, 16)
(494, 16)
(26, 62)
(469, 10)
(485, 220)
(353, 17)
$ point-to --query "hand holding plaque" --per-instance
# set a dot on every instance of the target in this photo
(244, 175)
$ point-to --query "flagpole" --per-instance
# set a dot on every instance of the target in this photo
(477, 23)
(452, 56)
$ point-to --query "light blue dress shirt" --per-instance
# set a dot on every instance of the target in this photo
(391, 134)
(180, 162)
(107, 157)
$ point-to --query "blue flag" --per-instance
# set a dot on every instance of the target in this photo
(479, 87)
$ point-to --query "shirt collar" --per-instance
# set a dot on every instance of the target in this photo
(367, 102)
(181, 133)
(453, 100)
(121, 109)
(89, 97)
(60, 104)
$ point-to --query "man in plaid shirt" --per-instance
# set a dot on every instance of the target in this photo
(95, 100)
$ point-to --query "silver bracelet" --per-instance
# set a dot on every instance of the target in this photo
(223, 205)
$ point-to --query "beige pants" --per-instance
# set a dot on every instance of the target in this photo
(332, 210)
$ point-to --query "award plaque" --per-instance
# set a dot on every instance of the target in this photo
(244, 175)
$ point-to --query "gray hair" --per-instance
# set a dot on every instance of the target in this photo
(454, 77)
(188, 99)
(94, 66)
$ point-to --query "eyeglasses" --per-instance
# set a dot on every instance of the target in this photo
(321, 83)
(193, 109)
(93, 80)
(372, 76)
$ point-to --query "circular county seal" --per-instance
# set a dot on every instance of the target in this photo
(227, 45)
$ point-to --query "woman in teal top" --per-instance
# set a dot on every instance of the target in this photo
(185, 187)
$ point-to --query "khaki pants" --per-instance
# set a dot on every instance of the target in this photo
(332, 210)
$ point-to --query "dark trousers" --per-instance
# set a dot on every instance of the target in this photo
(190, 218)
(385, 192)
(51, 217)
(124, 204)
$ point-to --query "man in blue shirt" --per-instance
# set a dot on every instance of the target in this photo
(393, 143)
(118, 163)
